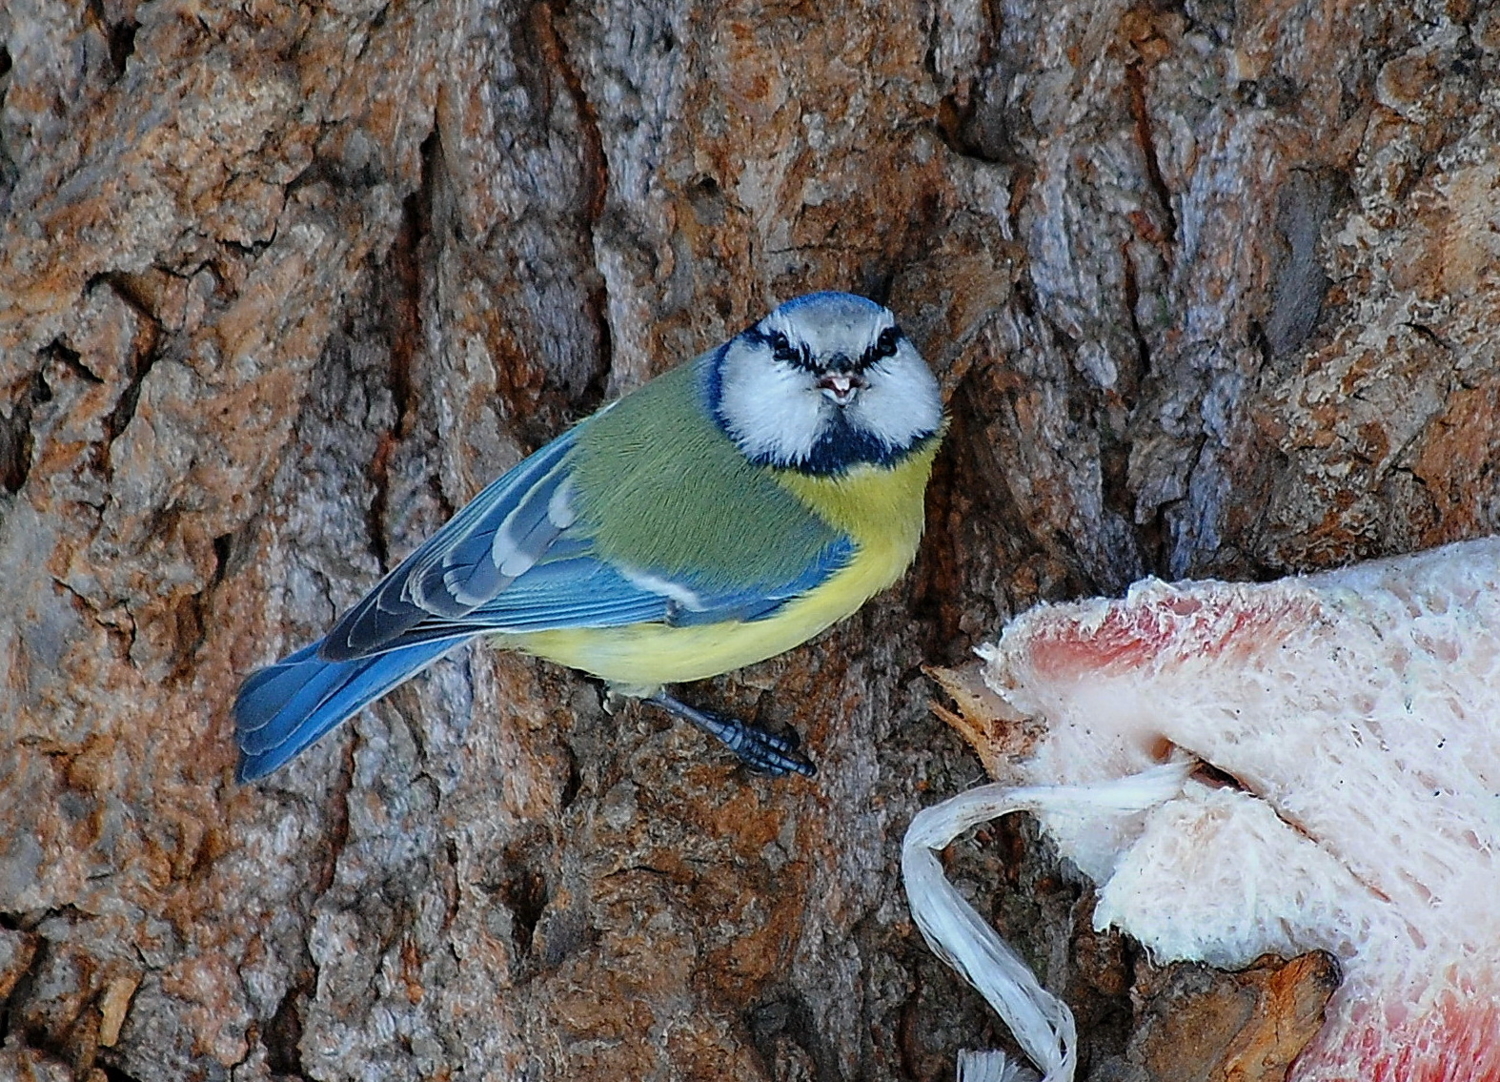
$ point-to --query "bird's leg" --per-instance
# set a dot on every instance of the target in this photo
(762, 751)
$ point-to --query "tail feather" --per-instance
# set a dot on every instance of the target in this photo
(285, 707)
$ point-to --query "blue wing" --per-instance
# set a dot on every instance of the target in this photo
(582, 590)
(494, 540)
(516, 560)
(285, 707)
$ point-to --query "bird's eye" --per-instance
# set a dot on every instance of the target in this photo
(782, 349)
(885, 345)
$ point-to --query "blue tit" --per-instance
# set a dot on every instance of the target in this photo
(723, 513)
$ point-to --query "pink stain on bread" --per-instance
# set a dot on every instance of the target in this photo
(1175, 627)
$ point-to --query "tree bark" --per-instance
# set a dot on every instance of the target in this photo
(1211, 288)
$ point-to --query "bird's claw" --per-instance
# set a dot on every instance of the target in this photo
(765, 752)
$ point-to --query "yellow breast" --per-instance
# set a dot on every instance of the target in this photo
(879, 508)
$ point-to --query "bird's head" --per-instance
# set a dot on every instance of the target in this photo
(825, 382)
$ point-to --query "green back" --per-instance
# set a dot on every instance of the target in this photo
(661, 489)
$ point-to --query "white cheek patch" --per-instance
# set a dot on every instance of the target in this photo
(901, 403)
(771, 410)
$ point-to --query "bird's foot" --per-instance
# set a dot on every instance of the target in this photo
(762, 751)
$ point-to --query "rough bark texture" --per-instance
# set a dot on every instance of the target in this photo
(1211, 287)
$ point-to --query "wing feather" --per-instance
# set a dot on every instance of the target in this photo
(586, 592)
(465, 563)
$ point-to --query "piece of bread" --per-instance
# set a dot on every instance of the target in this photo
(1350, 726)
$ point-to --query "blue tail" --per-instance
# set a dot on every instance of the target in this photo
(284, 707)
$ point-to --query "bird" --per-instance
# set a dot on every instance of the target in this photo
(720, 514)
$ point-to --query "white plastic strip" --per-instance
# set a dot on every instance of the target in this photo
(1041, 1023)
(991, 1067)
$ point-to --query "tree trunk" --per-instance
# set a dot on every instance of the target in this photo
(1211, 287)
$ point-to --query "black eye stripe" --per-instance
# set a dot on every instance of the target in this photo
(885, 346)
(784, 351)
(800, 356)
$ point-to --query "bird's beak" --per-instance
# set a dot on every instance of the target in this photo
(840, 387)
